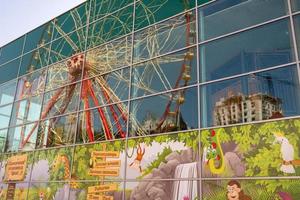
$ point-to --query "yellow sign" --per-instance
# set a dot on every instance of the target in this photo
(99, 197)
(110, 163)
(103, 172)
(105, 154)
(102, 188)
(15, 168)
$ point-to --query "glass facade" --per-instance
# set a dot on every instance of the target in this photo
(154, 99)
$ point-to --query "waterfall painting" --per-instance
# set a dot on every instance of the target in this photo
(251, 189)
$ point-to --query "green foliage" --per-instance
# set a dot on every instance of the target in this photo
(160, 159)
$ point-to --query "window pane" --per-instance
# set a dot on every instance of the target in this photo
(175, 33)
(71, 20)
(5, 113)
(110, 27)
(297, 30)
(57, 131)
(68, 45)
(100, 8)
(3, 135)
(61, 101)
(106, 123)
(220, 17)
(34, 60)
(151, 11)
(11, 50)
(21, 138)
(7, 92)
(259, 96)
(27, 110)
(38, 37)
(164, 113)
(110, 56)
(108, 88)
(295, 5)
(31, 85)
(164, 73)
(9, 71)
(259, 48)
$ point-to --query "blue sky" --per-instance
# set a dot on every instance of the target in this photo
(18, 17)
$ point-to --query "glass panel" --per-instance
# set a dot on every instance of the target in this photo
(66, 72)
(164, 113)
(27, 110)
(71, 20)
(259, 48)
(110, 27)
(165, 73)
(31, 85)
(259, 96)
(251, 189)
(213, 17)
(57, 131)
(108, 88)
(7, 92)
(90, 161)
(61, 101)
(109, 56)
(34, 60)
(38, 37)
(175, 33)
(68, 45)
(52, 165)
(11, 50)
(297, 30)
(5, 113)
(295, 5)
(151, 11)
(160, 153)
(3, 135)
(100, 8)
(22, 138)
(9, 71)
(103, 123)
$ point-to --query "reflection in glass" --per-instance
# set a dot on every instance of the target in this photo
(149, 12)
(38, 37)
(34, 60)
(57, 131)
(7, 92)
(172, 111)
(31, 85)
(60, 101)
(165, 73)
(110, 27)
(21, 138)
(103, 123)
(109, 56)
(258, 48)
(9, 70)
(297, 29)
(3, 135)
(295, 5)
(259, 96)
(105, 89)
(27, 110)
(175, 33)
(5, 114)
(220, 17)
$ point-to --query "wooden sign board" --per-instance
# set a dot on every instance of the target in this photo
(10, 195)
(103, 172)
(15, 168)
(105, 154)
(102, 188)
(99, 197)
(110, 163)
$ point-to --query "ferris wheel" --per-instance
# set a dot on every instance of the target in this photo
(105, 76)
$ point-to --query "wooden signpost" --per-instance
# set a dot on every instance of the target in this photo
(103, 167)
